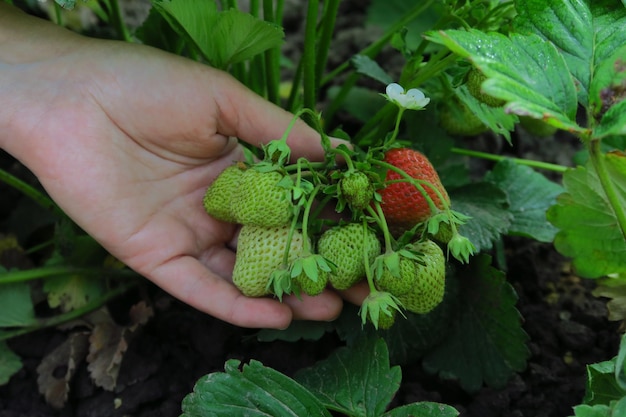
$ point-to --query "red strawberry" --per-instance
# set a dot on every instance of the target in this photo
(403, 204)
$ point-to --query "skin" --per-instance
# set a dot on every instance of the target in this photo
(126, 138)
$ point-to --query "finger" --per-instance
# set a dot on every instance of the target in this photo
(191, 282)
(356, 294)
(256, 121)
(324, 307)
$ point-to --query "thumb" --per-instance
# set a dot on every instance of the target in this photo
(248, 116)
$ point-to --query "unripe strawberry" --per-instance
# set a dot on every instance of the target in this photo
(457, 119)
(344, 246)
(403, 204)
(260, 201)
(310, 287)
(429, 288)
(475, 79)
(261, 251)
(218, 196)
(357, 189)
(385, 321)
(398, 284)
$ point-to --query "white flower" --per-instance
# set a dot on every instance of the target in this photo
(413, 99)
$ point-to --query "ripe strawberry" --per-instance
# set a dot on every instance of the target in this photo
(429, 287)
(344, 246)
(457, 119)
(218, 196)
(402, 203)
(357, 189)
(260, 201)
(260, 251)
(475, 79)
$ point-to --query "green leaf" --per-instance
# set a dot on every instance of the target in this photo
(584, 31)
(540, 88)
(608, 94)
(255, 391)
(423, 409)
(10, 363)
(70, 292)
(589, 229)
(486, 342)
(224, 38)
(356, 381)
(592, 411)
(601, 385)
(530, 195)
(487, 205)
(16, 305)
(367, 66)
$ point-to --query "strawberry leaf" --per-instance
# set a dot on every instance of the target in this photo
(583, 31)
(356, 381)
(540, 88)
(224, 38)
(256, 390)
(423, 409)
(73, 291)
(485, 342)
(487, 205)
(10, 363)
(589, 225)
(530, 195)
(16, 305)
(608, 91)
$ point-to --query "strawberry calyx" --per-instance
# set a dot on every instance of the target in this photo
(378, 304)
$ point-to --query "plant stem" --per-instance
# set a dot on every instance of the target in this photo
(70, 315)
(54, 271)
(116, 20)
(326, 33)
(527, 162)
(271, 58)
(309, 58)
(599, 163)
(30, 192)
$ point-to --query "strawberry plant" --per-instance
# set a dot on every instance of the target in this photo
(396, 209)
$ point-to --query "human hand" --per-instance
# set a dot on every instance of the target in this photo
(126, 139)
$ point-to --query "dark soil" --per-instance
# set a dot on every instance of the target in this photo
(567, 326)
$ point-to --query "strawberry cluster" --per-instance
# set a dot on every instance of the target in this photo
(395, 219)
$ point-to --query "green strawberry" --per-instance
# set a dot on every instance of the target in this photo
(457, 119)
(357, 189)
(475, 79)
(260, 252)
(385, 321)
(402, 281)
(310, 287)
(218, 196)
(429, 287)
(344, 246)
(261, 201)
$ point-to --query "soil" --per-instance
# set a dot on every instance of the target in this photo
(567, 326)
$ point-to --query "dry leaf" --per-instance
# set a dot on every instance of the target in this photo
(58, 367)
(108, 343)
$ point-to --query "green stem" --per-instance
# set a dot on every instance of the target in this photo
(70, 315)
(373, 49)
(366, 260)
(382, 223)
(527, 162)
(30, 192)
(309, 58)
(272, 57)
(326, 33)
(305, 220)
(54, 271)
(116, 20)
(599, 163)
(58, 14)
